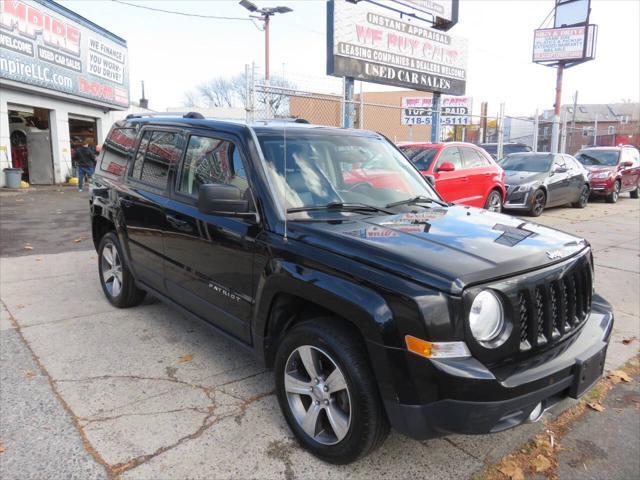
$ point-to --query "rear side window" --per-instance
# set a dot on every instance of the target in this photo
(471, 158)
(212, 160)
(116, 150)
(157, 152)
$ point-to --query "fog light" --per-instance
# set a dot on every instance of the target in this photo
(536, 413)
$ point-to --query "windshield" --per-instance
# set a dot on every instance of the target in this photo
(327, 168)
(521, 162)
(607, 158)
(421, 157)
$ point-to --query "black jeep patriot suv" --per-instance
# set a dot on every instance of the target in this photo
(326, 253)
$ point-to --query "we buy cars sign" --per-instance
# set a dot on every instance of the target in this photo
(371, 43)
(454, 110)
(44, 45)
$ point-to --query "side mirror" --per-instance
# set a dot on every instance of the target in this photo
(446, 167)
(431, 179)
(217, 198)
(558, 170)
(627, 164)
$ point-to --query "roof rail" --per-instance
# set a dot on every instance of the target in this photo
(284, 119)
(166, 114)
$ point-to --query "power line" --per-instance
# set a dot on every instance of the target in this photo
(185, 14)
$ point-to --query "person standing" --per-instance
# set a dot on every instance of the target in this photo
(86, 161)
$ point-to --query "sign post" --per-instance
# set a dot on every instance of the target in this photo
(435, 118)
(347, 121)
(571, 42)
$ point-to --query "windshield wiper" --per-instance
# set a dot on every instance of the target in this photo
(341, 206)
(418, 199)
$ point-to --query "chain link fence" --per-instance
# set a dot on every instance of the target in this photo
(368, 112)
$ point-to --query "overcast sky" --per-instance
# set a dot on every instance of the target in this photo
(173, 54)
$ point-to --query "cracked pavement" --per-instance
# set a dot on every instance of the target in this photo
(90, 391)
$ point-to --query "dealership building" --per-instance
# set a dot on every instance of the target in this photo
(63, 80)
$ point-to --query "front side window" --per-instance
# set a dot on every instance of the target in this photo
(451, 155)
(421, 157)
(212, 160)
(158, 150)
(320, 168)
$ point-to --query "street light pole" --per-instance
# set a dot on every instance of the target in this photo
(266, 48)
(555, 127)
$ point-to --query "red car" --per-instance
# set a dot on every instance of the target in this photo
(613, 170)
(461, 172)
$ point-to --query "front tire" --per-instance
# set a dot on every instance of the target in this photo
(613, 196)
(583, 199)
(539, 200)
(328, 393)
(116, 279)
(494, 202)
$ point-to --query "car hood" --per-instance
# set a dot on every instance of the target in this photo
(600, 168)
(516, 177)
(445, 248)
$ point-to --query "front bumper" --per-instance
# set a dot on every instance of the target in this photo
(504, 398)
(517, 199)
(601, 188)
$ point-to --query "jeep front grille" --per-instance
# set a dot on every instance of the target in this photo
(550, 311)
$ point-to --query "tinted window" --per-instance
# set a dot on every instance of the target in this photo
(507, 149)
(522, 162)
(157, 152)
(451, 155)
(471, 158)
(116, 149)
(421, 157)
(211, 160)
(598, 157)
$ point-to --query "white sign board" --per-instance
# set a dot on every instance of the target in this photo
(418, 110)
(370, 43)
(552, 44)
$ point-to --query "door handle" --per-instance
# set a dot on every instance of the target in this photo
(176, 222)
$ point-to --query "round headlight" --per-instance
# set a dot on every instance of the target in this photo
(486, 318)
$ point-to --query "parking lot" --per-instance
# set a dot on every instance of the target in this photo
(89, 391)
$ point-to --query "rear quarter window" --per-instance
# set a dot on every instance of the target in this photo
(116, 150)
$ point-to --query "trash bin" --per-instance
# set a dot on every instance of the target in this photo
(12, 177)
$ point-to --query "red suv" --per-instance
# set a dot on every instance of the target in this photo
(613, 170)
(461, 172)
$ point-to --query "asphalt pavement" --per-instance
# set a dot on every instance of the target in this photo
(90, 391)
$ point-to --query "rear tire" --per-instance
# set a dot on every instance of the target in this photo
(613, 197)
(116, 279)
(494, 201)
(635, 193)
(337, 421)
(539, 200)
(584, 198)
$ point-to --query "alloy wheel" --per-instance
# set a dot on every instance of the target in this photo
(538, 202)
(584, 196)
(616, 192)
(318, 394)
(495, 205)
(111, 269)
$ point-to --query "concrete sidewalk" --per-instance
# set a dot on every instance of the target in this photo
(90, 391)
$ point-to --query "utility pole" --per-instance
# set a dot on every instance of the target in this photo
(536, 127)
(573, 119)
(265, 14)
(347, 121)
(595, 130)
(555, 128)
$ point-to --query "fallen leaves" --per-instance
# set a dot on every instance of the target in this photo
(79, 239)
(186, 358)
(596, 406)
(512, 471)
(618, 376)
(29, 374)
(28, 246)
(541, 463)
(1, 448)
(38, 259)
(20, 306)
(628, 340)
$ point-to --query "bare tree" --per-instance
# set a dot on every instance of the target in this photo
(217, 92)
(190, 99)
